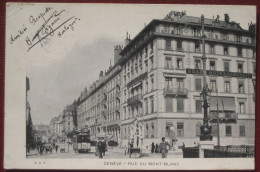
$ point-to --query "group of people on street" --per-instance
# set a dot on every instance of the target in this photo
(101, 148)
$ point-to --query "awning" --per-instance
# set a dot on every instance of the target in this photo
(224, 104)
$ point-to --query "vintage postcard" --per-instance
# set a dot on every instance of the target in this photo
(120, 86)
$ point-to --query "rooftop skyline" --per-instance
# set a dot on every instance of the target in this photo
(60, 72)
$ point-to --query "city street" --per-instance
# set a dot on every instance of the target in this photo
(117, 153)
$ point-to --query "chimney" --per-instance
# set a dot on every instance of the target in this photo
(127, 39)
(100, 74)
(117, 50)
(226, 18)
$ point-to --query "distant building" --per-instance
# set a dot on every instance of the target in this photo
(42, 132)
(99, 106)
(56, 126)
(69, 113)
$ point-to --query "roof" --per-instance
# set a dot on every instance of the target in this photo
(197, 20)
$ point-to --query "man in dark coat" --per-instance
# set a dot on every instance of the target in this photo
(103, 147)
(99, 149)
(163, 147)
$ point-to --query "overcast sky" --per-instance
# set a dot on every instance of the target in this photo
(60, 70)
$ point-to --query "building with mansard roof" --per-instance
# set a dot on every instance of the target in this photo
(162, 81)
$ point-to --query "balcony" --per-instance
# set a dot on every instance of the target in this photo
(135, 99)
(180, 49)
(223, 117)
(182, 92)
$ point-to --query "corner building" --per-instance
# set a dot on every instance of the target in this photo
(162, 81)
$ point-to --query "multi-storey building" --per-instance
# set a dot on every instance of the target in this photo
(56, 126)
(42, 132)
(162, 80)
(69, 113)
(99, 106)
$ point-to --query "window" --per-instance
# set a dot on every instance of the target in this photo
(198, 125)
(196, 33)
(179, 63)
(228, 131)
(239, 51)
(242, 130)
(152, 104)
(213, 85)
(146, 85)
(211, 49)
(146, 66)
(146, 106)
(197, 47)
(147, 130)
(226, 66)
(168, 44)
(152, 82)
(241, 107)
(146, 51)
(241, 87)
(167, 129)
(240, 67)
(198, 106)
(169, 104)
(151, 48)
(227, 86)
(180, 84)
(225, 50)
(168, 62)
(179, 45)
(180, 129)
(180, 105)
(254, 69)
(197, 64)
(197, 84)
(224, 36)
(214, 130)
(239, 38)
(168, 83)
(212, 65)
(151, 60)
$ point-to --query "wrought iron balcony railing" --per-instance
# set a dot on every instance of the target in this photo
(176, 91)
(135, 99)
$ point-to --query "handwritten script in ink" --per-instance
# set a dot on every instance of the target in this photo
(48, 23)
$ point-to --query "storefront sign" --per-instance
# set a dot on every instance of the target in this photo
(219, 73)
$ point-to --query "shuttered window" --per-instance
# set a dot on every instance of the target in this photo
(226, 66)
(242, 130)
(169, 104)
(228, 131)
(198, 106)
(198, 84)
(180, 105)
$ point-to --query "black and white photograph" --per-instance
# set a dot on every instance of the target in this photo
(130, 86)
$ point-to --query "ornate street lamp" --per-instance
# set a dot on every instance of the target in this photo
(205, 129)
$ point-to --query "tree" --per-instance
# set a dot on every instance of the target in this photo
(29, 133)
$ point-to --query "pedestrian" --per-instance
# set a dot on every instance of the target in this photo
(156, 148)
(195, 144)
(152, 147)
(56, 148)
(100, 149)
(163, 147)
(183, 146)
(103, 147)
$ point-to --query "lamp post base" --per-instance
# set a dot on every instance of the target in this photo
(205, 145)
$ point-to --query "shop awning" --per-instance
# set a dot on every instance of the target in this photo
(224, 104)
